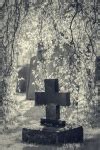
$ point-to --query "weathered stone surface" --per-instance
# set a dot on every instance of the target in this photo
(62, 99)
(53, 123)
(53, 112)
(51, 85)
(51, 95)
(53, 136)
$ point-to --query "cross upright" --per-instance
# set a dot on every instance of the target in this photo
(52, 99)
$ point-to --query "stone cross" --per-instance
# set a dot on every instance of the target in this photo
(53, 130)
(52, 99)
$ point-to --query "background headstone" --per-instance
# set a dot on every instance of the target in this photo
(22, 78)
(30, 90)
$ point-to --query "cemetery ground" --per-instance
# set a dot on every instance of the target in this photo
(29, 115)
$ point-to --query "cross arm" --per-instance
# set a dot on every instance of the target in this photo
(62, 99)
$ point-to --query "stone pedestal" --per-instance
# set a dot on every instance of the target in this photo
(53, 123)
(50, 135)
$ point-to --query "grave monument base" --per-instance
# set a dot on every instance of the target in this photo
(53, 123)
(50, 135)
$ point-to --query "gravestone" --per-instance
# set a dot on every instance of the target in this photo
(30, 94)
(23, 74)
(52, 130)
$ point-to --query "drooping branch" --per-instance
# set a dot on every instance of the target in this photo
(83, 49)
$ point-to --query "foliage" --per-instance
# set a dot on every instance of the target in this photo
(66, 31)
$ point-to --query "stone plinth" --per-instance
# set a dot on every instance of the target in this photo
(50, 135)
(53, 123)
